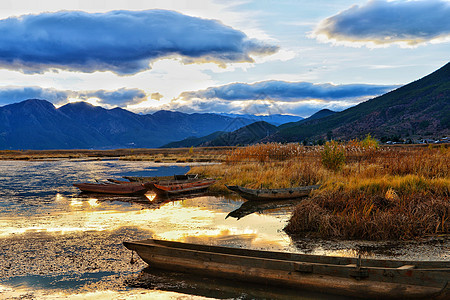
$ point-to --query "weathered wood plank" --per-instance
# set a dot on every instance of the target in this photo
(289, 269)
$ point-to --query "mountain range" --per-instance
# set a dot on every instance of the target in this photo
(420, 109)
(38, 124)
(246, 135)
(274, 119)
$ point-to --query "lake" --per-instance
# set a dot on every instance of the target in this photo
(57, 243)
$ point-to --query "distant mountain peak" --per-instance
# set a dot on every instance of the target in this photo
(274, 119)
(321, 114)
(80, 105)
(36, 102)
(325, 110)
(32, 105)
(167, 113)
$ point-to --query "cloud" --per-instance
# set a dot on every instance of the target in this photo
(156, 96)
(275, 97)
(287, 91)
(256, 107)
(14, 94)
(120, 97)
(380, 23)
(124, 42)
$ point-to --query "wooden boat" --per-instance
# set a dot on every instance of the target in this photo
(272, 194)
(174, 188)
(156, 179)
(368, 278)
(129, 188)
(112, 180)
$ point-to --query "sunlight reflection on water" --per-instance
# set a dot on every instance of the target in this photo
(41, 197)
(39, 206)
(37, 198)
(185, 220)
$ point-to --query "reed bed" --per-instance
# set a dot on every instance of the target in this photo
(377, 193)
(391, 207)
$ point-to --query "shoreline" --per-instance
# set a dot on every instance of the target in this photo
(175, 155)
(212, 154)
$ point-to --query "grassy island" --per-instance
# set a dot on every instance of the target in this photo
(367, 191)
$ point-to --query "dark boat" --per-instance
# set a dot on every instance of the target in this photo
(126, 188)
(175, 188)
(155, 179)
(272, 194)
(368, 278)
(250, 206)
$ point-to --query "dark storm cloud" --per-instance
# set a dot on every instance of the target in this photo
(287, 91)
(13, 94)
(120, 97)
(382, 22)
(124, 42)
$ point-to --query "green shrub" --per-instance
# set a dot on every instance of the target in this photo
(333, 156)
(369, 142)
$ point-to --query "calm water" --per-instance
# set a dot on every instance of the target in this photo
(57, 243)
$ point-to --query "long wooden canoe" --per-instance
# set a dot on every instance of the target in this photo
(368, 278)
(156, 179)
(272, 194)
(174, 188)
(127, 188)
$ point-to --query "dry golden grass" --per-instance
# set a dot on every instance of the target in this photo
(372, 217)
(379, 193)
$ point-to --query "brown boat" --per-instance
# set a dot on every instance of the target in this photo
(174, 187)
(368, 278)
(273, 194)
(123, 188)
(156, 179)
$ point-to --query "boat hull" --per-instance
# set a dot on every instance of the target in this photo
(156, 179)
(273, 194)
(180, 188)
(111, 188)
(332, 275)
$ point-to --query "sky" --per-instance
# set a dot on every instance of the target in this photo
(246, 57)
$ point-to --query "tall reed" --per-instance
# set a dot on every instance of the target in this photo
(377, 193)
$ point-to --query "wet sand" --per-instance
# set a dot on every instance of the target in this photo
(69, 263)
(95, 264)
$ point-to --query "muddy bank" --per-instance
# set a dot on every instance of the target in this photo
(77, 261)
(433, 248)
(95, 265)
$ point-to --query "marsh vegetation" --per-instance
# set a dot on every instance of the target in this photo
(367, 191)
